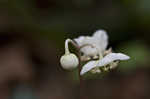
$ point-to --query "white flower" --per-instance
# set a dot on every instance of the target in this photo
(69, 61)
(94, 51)
(93, 45)
(96, 46)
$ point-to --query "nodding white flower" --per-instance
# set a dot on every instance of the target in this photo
(95, 46)
(94, 51)
(69, 61)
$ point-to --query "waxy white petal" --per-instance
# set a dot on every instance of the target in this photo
(112, 57)
(79, 40)
(89, 51)
(101, 38)
(88, 66)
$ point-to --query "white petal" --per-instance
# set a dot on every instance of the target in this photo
(112, 57)
(79, 40)
(89, 41)
(100, 33)
(101, 37)
(88, 66)
(89, 51)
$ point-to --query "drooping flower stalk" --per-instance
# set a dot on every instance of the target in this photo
(80, 61)
(66, 46)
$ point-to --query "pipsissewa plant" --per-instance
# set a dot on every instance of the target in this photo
(96, 57)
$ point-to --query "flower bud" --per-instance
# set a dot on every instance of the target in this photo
(69, 61)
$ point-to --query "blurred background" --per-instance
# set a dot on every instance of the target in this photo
(32, 35)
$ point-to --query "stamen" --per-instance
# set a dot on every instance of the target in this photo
(100, 56)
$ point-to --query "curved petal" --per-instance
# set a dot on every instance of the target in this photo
(89, 51)
(79, 40)
(88, 66)
(101, 38)
(87, 42)
(112, 57)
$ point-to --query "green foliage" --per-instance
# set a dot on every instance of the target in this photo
(139, 54)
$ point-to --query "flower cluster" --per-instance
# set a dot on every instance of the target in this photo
(94, 53)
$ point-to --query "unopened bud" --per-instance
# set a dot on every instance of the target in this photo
(69, 61)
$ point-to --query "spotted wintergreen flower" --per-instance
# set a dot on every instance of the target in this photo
(96, 47)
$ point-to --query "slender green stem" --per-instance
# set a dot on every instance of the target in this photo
(79, 67)
(80, 77)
